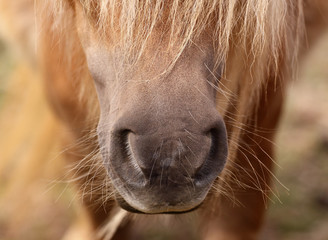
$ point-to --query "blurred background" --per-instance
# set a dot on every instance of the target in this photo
(302, 155)
(36, 202)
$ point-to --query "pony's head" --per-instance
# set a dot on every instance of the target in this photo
(171, 77)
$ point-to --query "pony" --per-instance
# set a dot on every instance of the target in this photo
(172, 106)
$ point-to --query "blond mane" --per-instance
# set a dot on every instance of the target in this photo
(260, 27)
(257, 37)
(260, 38)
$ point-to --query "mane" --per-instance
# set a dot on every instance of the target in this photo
(255, 41)
(260, 27)
(266, 32)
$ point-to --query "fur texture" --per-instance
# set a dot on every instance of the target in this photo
(255, 42)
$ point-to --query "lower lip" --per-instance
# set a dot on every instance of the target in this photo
(129, 208)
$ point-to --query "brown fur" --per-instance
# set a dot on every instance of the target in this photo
(257, 54)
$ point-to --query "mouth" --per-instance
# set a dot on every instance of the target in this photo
(163, 210)
(163, 173)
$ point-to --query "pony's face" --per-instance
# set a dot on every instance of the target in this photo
(162, 139)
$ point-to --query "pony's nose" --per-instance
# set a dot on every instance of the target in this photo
(170, 158)
(179, 157)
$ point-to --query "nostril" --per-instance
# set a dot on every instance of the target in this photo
(216, 157)
(123, 142)
(139, 151)
(121, 138)
(214, 135)
(122, 133)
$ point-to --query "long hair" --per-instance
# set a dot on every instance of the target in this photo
(259, 38)
(260, 27)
